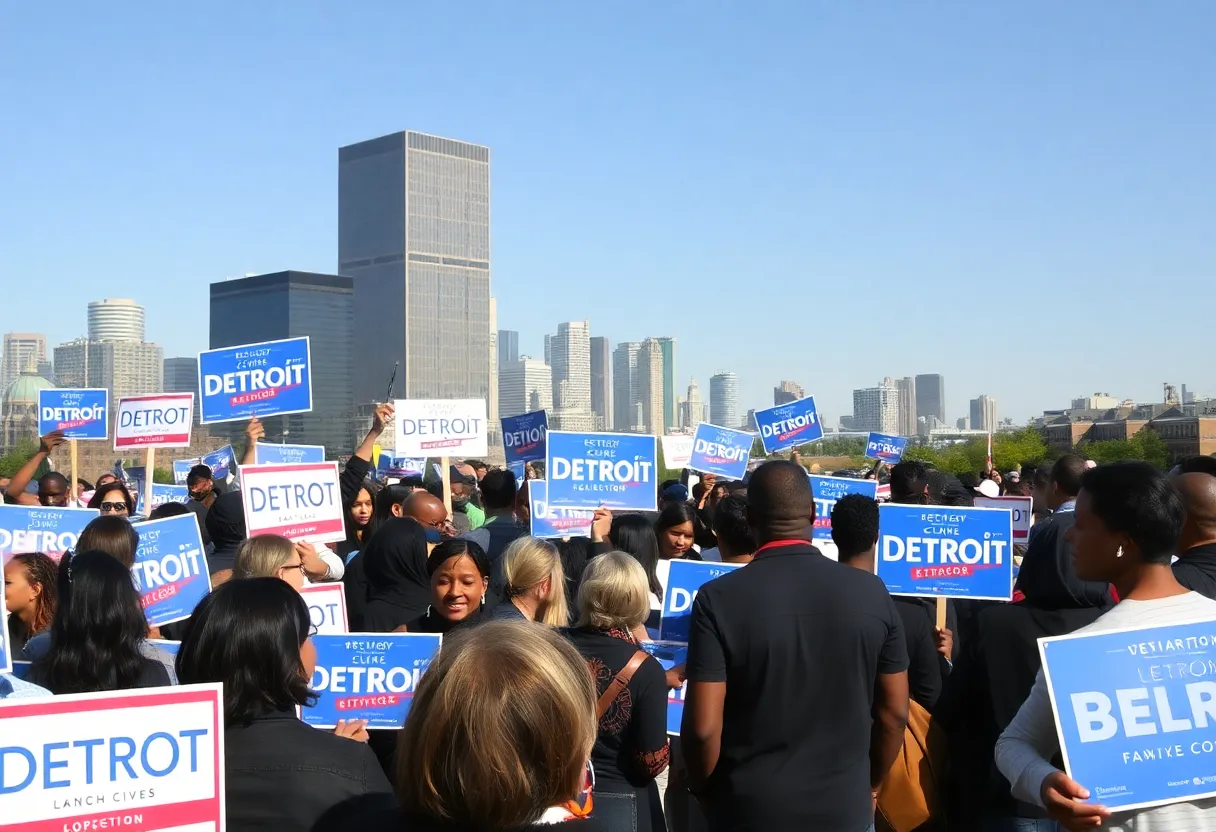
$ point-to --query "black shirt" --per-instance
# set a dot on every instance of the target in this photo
(1195, 569)
(924, 670)
(799, 640)
(398, 821)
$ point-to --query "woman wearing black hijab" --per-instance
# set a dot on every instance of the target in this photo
(398, 587)
(996, 675)
(226, 525)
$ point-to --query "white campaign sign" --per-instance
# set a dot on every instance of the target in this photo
(440, 427)
(677, 451)
(1022, 509)
(162, 420)
(327, 608)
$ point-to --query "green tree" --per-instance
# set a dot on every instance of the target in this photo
(1144, 445)
(11, 462)
(163, 475)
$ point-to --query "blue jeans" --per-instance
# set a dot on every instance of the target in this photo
(994, 823)
(615, 812)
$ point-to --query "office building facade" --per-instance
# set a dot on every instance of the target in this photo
(414, 236)
(670, 416)
(931, 396)
(601, 383)
(624, 387)
(983, 413)
(116, 319)
(724, 400)
(650, 388)
(24, 352)
(693, 409)
(293, 304)
(876, 409)
(507, 346)
(125, 368)
(524, 385)
(906, 418)
(786, 392)
(181, 376)
(570, 358)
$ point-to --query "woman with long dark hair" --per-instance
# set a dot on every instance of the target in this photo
(30, 593)
(634, 535)
(113, 498)
(675, 529)
(1125, 531)
(112, 534)
(398, 584)
(252, 636)
(97, 636)
(460, 577)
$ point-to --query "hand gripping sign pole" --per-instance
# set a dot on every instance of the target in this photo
(445, 474)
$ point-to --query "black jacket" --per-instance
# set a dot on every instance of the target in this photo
(397, 821)
(1195, 569)
(285, 776)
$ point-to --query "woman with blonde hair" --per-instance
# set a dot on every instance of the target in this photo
(631, 747)
(535, 584)
(498, 737)
(269, 556)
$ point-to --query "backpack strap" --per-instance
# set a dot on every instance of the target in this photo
(619, 683)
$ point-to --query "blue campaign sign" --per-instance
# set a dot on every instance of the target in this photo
(170, 570)
(266, 379)
(523, 437)
(720, 451)
(552, 523)
(79, 413)
(519, 469)
(162, 494)
(789, 425)
(684, 580)
(946, 551)
(267, 454)
(6, 653)
(671, 654)
(827, 491)
(170, 647)
(614, 470)
(886, 448)
(399, 466)
(369, 676)
(181, 470)
(51, 531)
(222, 464)
(1134, 712)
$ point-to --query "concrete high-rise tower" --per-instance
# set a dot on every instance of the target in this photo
(724, 400)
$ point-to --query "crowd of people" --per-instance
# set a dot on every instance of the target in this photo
(804, 681)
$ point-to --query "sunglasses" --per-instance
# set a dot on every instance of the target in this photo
(114, 507)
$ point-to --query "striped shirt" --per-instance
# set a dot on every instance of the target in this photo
(1023, 751)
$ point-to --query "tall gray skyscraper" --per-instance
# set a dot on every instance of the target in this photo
(414, 234)
(269, 307)
(786, 392)
(670, 417)
(570, 358)
(508, 347)
(523, 386)
(181, 376)
(905, 389)
(624, 386)
(724, 400)
(115, 355)
(931, 397)
(601, 387)
(116, 319)
(876, 408)
(649, 387)
(983, 413)
(23, 352)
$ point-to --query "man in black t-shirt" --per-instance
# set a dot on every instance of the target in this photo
(797, 678)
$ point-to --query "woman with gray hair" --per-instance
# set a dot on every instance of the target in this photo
(631, 746)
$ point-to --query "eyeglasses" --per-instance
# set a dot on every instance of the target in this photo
(119, 508)
(299, 566)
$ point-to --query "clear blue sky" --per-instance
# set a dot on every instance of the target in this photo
(1020, 196)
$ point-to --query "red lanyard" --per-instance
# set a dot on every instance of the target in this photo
(777, 544)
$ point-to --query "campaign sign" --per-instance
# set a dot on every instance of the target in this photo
(170, 647)
(549, 523)
(369, 676)
(827, 490)
(162, 420)
(684, 579)
(677, 450)
(720, 451)
(300, 502)
(789, 425)
(327, 608)
(170, 570)
(614, 470)
(181, 470)
(440, 427)
(523, 437)
(946, 551)
(1134, 711)
(670, 654)
(267, 379)
(162, 494)
(139, 760)
(80, 414)
(51, 531)
(265, 454)
(399, 466)
(886, 448)
(519, 469)
(1023, 513)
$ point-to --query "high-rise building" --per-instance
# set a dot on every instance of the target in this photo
(414, 235)
(931, 396)
(963, 423)
(125, 368)
(570, 358)
(983, 413)
(181, 376)
(494, 426)
(906, 419)
(624, 387)
(601, 387)
(786, 392)
(694, 410)
(508, 347)
(524, 386)
(876, 409)
(293, 304)
(23, 353)
(548, 349)
(650, 388)
(116, 319)
(670, 417)
(724, 400)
